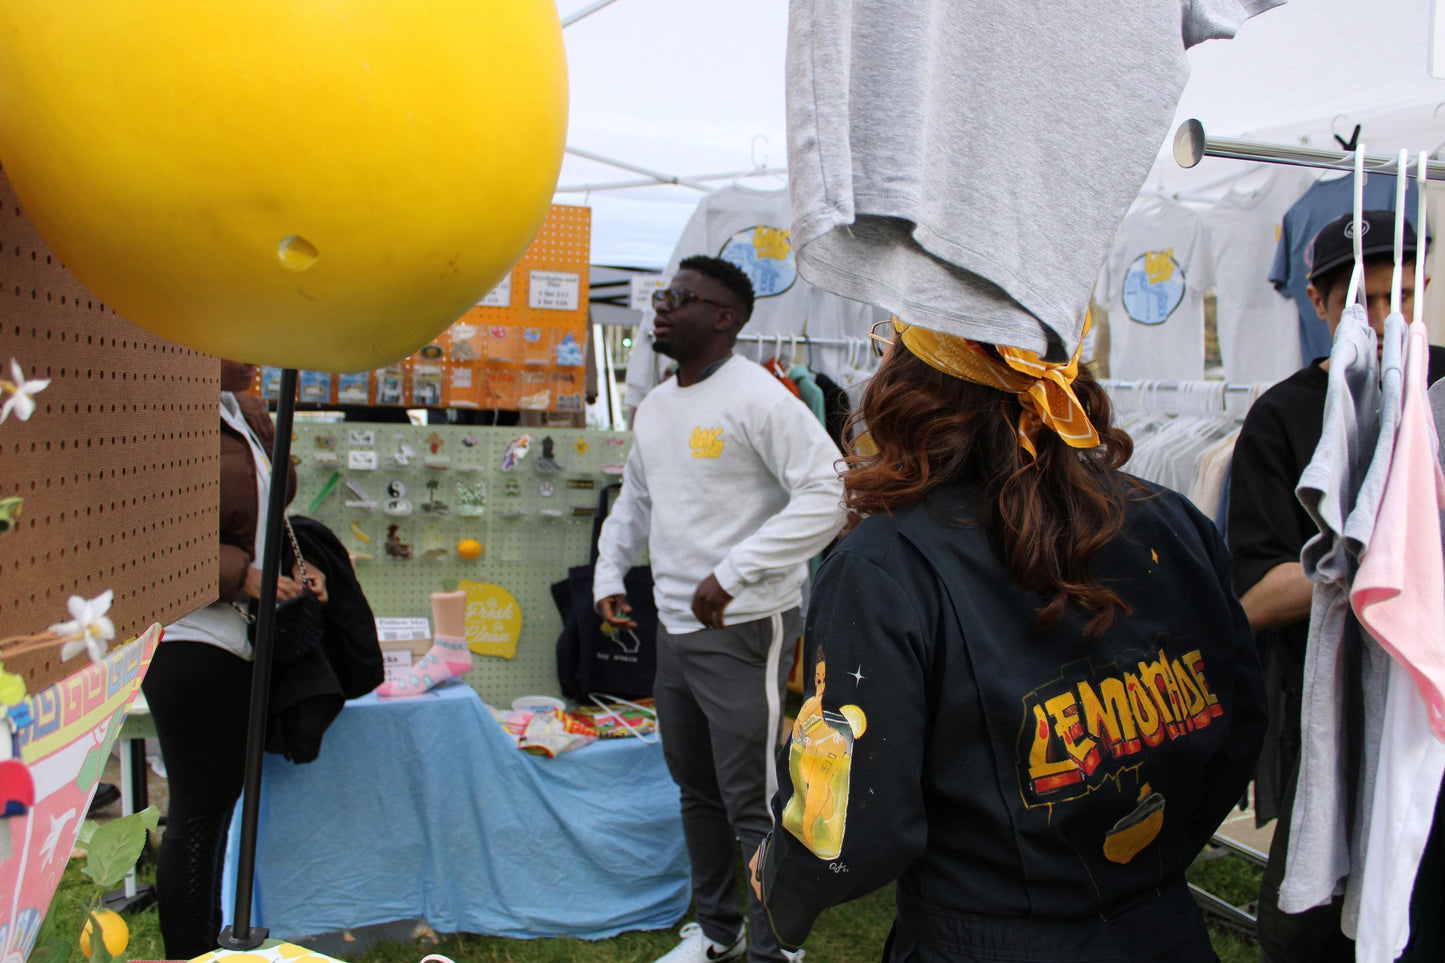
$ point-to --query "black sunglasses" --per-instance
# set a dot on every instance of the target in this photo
(670, 299)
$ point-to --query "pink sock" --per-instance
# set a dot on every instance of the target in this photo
(449, 658)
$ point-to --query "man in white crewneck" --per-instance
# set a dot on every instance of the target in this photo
(731, 486)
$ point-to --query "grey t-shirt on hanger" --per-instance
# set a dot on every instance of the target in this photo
(965, 164)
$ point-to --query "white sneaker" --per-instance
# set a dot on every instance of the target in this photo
(697, 948)
(794, 956)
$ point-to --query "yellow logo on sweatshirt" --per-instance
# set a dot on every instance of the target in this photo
(707, 442)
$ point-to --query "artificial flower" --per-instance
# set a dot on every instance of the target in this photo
(89, 629)
(21, 391)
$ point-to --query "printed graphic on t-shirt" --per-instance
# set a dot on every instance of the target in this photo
(766, 256)
(707, 442)
(1154, 287)
(820, 764)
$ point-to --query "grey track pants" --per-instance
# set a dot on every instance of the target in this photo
(719, 699)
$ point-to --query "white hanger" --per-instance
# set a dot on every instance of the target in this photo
(1402, 182)
(1357, 276)
(1420, 185)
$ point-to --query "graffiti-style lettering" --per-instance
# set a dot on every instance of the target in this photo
(1084, 727)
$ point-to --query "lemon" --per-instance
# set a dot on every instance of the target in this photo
(469, 548)
(315, 184)
(857, 721)
(113, 932)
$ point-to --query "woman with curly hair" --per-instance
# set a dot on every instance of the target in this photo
(1040, 697)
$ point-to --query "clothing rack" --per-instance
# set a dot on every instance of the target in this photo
(1191, 146)
(793, 340)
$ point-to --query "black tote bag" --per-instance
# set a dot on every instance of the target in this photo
(589, 659)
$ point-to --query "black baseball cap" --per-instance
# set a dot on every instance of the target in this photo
(1334, 245)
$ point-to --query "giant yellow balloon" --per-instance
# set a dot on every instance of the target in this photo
(306, 183)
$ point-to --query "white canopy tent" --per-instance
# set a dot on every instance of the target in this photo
(691, 90)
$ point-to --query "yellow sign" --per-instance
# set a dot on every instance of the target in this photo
(494, 619)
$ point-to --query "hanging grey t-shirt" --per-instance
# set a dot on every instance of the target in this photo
(965, 164)
(1318, 856)
(1374, 664)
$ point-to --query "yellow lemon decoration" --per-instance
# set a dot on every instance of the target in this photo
(857, 721)
(469, 549)
(494, 619)
(290, 951)
(113, 932)
(316, 184)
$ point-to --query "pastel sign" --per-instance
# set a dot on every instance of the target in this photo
(494, 619)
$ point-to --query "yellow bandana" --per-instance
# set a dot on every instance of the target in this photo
(1045, 388)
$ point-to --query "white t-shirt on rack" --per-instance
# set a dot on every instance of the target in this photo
(1259, 337)
(750, 228)
(1157, 276)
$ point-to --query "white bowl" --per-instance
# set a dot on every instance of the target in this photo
(537, 704)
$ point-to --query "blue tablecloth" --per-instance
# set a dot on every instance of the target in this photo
(425, 809)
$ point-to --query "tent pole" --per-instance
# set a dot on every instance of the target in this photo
(591, 8)
(652, 181)
(645, 171)
(241, 935)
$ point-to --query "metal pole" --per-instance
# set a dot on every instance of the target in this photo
(241, 935)
(591, 8)
(645, 171)
(1191, 146)
(652, 181)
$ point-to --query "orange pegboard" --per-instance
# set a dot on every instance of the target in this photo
(521, 347)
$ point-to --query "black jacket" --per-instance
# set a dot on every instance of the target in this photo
(307, 693)
(1000, 775)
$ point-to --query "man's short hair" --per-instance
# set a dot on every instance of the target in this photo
(729, 275)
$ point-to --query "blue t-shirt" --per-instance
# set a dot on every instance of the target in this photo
(1294, 256)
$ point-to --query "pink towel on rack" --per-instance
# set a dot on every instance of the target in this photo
(1397, 592)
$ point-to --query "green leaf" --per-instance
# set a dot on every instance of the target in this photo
(114, 848)
(52, 948)
(87, 830)
(150, 817)
(99, 952)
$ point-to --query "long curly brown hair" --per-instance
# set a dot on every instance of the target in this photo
(1046, 516)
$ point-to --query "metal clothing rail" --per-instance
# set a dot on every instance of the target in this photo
(802, 339)
(1178, 385)
(1191, 146)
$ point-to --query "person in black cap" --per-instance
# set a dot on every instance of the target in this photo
(1267, 529)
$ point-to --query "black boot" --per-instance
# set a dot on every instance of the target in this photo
(188, 884)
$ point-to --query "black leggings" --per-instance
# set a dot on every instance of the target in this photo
(199, 696)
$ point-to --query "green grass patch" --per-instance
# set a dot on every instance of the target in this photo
(851, 933)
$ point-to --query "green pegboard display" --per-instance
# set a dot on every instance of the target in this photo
(533, 523)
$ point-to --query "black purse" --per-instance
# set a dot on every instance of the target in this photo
(298, 628)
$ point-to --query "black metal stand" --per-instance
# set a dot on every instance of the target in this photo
(241, 935)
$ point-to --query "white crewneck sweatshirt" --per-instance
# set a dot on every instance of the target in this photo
(731, 476)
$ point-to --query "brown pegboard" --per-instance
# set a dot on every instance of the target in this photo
(119, 464)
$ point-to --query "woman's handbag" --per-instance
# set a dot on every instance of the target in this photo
(298, 627)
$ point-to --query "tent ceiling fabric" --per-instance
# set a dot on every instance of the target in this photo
(693, 88)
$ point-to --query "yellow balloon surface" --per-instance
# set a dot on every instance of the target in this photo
(305, 183)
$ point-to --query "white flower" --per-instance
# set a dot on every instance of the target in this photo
(89, 629)
(20, 400)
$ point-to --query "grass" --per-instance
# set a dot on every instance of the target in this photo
(852, 933)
